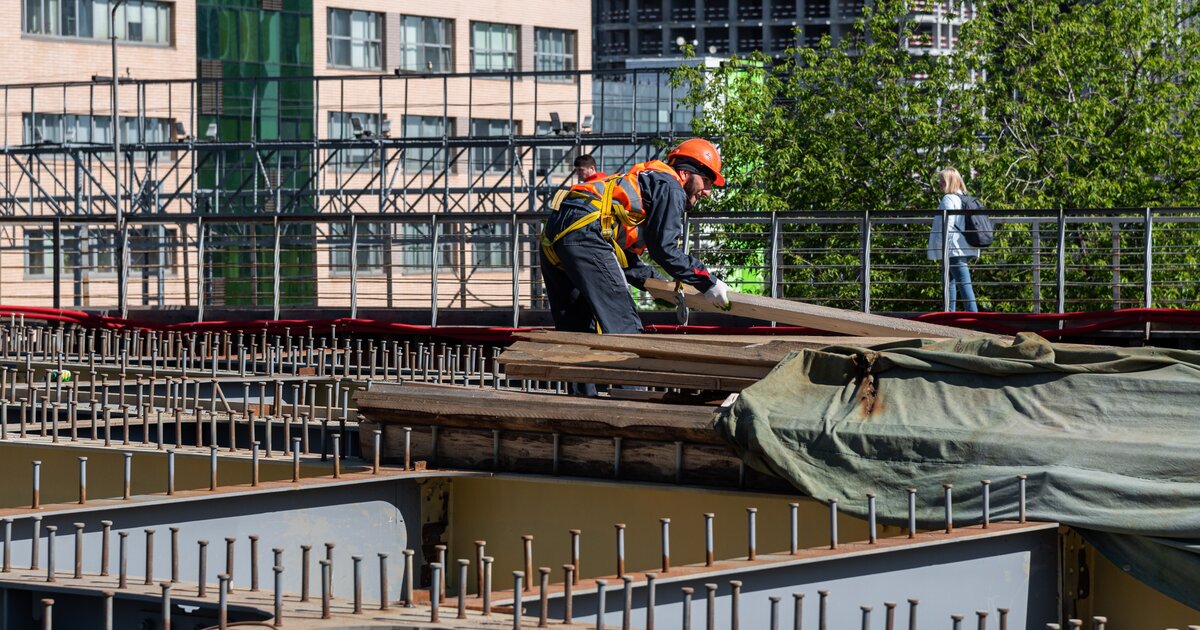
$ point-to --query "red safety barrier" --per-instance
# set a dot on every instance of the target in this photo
(1045, 324)
(1073, 324)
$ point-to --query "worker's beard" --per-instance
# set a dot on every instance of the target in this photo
(693, 189)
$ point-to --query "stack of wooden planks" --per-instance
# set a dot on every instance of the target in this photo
(441, 426)
(692, 362)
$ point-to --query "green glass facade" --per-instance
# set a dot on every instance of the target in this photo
(255, 65)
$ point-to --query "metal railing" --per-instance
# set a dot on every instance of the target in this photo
(438, 263)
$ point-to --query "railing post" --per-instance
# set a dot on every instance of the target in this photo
(276, 271)
(1061, 265)
(946, 286)
(1035, 230)
(516, 270)
(1148, 253)
(433, 270)
(773, 251)
(866, 261)
(199, 269)
(122, 260)
(353, 267)
(57, 262)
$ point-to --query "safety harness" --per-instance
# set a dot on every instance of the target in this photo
(607, 210)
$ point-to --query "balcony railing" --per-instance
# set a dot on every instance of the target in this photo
(1041, 261)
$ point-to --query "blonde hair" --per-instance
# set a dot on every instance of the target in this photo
(950, 181)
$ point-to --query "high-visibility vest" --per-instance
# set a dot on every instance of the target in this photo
(616, 202)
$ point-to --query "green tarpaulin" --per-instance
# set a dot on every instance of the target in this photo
(1108, 437)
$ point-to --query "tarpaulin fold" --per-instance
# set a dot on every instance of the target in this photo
(1109, 439)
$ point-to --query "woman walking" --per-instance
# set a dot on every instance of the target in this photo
(958, 251)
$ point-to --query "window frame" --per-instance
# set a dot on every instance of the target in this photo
(164, 248)
(476, 49)
(372, 259)
(544, 58)
(559, 155)
(350, 160)
(414, 161)
(491, 166)
(88, 25)
(490, 243)
(134, 130)
(420, 49)
(45, 238)
(376, 44)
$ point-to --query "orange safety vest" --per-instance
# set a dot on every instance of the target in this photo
(617, 203)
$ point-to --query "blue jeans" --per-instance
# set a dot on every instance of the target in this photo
(960, 284)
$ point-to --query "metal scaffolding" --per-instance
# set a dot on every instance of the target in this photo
(474, 142)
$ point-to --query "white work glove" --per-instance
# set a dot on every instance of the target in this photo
(718, 295)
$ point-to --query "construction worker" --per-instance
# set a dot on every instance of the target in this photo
(586, 170)
(597, 230)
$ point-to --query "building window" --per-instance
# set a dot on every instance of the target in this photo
(491, 244)
(554, 50)
(372, 243)
(83, 129)
(551, 160)
(426, 44)
(153, 248)
(39, 253)
(489, 159)
(355, 39)
(102, 250)
(143, 21)
(493, 47)
(342, 127)
(425, 158)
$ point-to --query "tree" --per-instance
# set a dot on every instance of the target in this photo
(1046, 105)
(857, 124)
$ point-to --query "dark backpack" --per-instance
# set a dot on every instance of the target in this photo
(977, 227)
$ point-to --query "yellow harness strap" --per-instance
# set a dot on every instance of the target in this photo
(604, 213)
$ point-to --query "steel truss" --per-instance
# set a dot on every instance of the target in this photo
(178, 155)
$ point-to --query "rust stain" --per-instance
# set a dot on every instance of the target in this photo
(870, 399)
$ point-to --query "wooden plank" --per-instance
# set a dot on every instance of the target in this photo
(531, 353)
(707, 465)
(657, 346)
(807, 341)
(573, 374)
(810, 315)
(547, 413)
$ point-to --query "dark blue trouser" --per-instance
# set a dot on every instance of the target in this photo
(589, 292)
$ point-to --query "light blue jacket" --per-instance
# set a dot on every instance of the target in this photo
(956, 242)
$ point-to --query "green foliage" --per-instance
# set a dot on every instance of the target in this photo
(1047, 105)
(1091, 104)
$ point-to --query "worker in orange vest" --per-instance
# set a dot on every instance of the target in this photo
(586, 170)
(597, 229)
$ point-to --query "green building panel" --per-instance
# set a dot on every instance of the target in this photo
(264, 60)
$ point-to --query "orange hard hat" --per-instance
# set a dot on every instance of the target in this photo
(702, 152)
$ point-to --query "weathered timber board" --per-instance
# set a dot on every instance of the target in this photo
(577, 374)
(658, 346)
(532, 353)
(819, 317)
(547, 413)
(590, 457)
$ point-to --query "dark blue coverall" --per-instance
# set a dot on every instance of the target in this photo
(590, 292)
